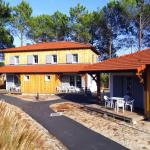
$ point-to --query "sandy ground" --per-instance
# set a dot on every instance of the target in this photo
(135, 137)
(33, 98)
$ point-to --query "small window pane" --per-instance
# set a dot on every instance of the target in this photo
(35, 59)
(26, 78)
(78, 81)
(54, 59)
(47, 77)
(16, 60)
(72, 80)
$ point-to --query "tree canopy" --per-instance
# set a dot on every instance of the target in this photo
(21, 16)
(121, 24)
(6, 39)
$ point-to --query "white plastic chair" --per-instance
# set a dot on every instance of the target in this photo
(129, 103)
(120, 103)
(108, 102)
(77, 89)
(71, 89)
(126, 97)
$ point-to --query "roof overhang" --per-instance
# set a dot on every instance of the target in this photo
(57, 68)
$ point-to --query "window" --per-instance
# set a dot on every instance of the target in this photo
(51, 59)
(75, 58)
(54, 59)
(72, 58)
(47, 77)
(78, 81)
(16, 60)
(26, 78)
(32, 59)
(35, 59)
(72, 80)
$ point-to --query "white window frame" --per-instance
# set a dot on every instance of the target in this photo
(46, 77)
(26, 77)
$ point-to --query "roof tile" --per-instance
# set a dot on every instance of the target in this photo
(126, 62)
(61, 45)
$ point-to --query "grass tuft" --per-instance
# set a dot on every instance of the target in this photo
(19, 131)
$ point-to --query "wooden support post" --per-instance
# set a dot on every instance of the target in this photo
(98, 82)
(86, 82)
(147, 94)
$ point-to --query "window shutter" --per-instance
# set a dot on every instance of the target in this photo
(12, 60)
(30, 59)
(48, 59)
(69, 58)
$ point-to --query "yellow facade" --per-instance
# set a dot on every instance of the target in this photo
(38, 84)
(84, 56)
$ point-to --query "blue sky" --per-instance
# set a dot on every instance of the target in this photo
(50, 6)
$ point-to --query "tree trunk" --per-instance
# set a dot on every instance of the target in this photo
(21, 39)
(140, 32)
(110, 48)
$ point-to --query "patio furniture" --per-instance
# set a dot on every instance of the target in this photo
(77, 89)
(120, 103)
(129, 103)
(108, 102)
(71, 89)
(126, 97)
(62, 89)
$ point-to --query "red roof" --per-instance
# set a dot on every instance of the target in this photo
(62, 45)
(122, 63)
(59, 68)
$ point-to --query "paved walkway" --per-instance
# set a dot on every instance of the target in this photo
(72, 134)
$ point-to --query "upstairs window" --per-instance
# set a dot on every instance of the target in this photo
(75, 58)
(35, 59)
(51, 59)
(72, 58)
(54, 59)
(32, 59)
(14, 60)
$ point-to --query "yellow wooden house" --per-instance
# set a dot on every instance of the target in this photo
(50, 67)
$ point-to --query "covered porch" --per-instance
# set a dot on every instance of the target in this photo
(75, 83)
(129, 74)
(13, 84)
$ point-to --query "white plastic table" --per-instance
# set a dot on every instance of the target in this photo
(114, 99)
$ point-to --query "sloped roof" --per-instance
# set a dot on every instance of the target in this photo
(61, 45)
(122, 63)
(57, 68)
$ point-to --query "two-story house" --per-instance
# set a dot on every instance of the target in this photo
(47, 67)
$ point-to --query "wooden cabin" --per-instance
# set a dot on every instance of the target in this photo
(42, 68)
